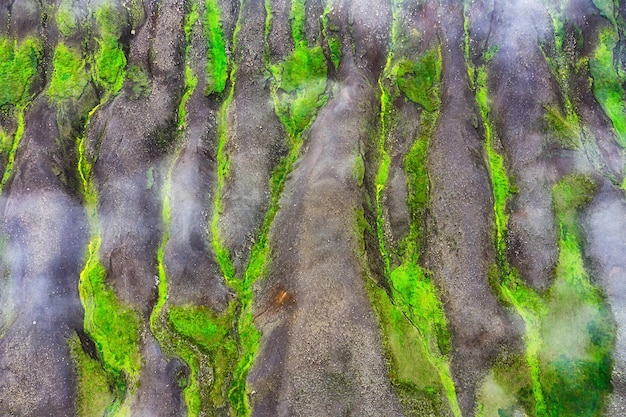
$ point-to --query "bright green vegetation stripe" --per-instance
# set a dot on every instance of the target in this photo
(217, 65)
(19, 65)
(17, 137)
(302, 76)
(411, 313)
(223, 169)
(171, 342)
(508, 284)
(564, 125)
(205, 341)
(113, 326)
(190, 79)
(607, 85)
(237, 394)
(569, 374)
(297, 18)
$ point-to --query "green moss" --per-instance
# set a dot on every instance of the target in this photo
(136, 12)
(94, 395)
(421, 304)
(66, 19)
(139, 82)
(418, 80)
(190, 79)
(504, 280)
(418, 184)
(198, 336)
(607, 86)
(330, 35)
(69, 77)
(606, 8)
(113, 326)
(505, 391)
(298, 88)
(359, 170)
(297, 18)
(109, 58)
(217, 65)
(200, 325)
(577, 362)
(19, 132)
(413, 372)
(19, 64)
(559, 364)
(411, 314)
(565, 129)
(569, 195)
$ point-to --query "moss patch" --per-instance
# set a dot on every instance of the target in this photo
(139, 82)
(94, 395)
(579, 332)
(410, 311)
(298, 87)
(109, 58)
(419, 79)
(607, 86)
(19, 64)
(66, 19)
(69, 77)
(217, 65)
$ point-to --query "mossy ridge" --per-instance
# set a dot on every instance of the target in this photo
(179, 329)
(190, 79)
(505, 390)
(576, 367)
(19, 67)
(70, 76)
(206, 337)
(607, 86)
(412, 301)
(65, 18)
(299, 81)
(505, 282)
(249, 336)
(544, 314)
(114, 327)
(562, 121)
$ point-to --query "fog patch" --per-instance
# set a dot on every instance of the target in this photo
(43, 236)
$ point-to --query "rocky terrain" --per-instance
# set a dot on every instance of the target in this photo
(313, 208)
